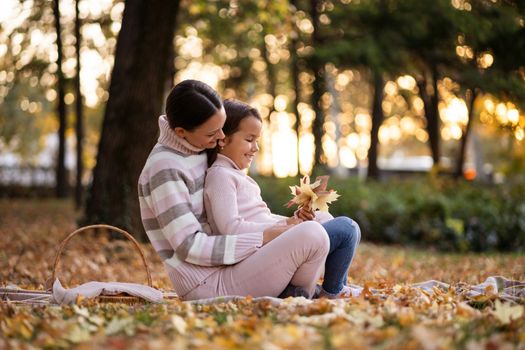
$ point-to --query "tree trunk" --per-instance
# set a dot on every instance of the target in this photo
(433, 121)
(430, 107)
(270, 76)
(318, 91)
(294, 71)
(377, 120)
(270, 71)
(61, 188)
(130, 121)
(471, 98)
(79, 115)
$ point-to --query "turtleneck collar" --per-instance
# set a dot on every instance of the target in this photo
(226, 162)
(169, 138)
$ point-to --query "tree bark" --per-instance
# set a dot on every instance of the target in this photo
(377, 120)
(318, 91)
(471, 95)
(294, 71)
(270, 70)
(61, 188)
(130, 122)
(433, 121)
(430, 107)
(79, 114)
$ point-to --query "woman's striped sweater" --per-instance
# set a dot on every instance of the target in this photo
(172, 210)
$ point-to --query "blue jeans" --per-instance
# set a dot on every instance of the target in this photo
(344, 234)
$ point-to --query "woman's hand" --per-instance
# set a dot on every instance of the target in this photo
(304, 213)
(275, 231)
(294, 220)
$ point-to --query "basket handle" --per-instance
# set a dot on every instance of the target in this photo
(109, 227)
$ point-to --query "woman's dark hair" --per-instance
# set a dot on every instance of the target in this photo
(190, 104)
(236, 111)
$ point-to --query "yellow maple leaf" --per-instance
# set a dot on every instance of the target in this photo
(505, 312)
(323, 199)
(304, 193)
(313, 195)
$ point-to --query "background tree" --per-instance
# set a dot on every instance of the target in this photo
(430, 49)
(26, 76)
(29, 121)
(294, 73)
(248, 51)
(79, 125)
(488, 32)
(62, 182)
(136, 97)
(316, 66)
(367, 37)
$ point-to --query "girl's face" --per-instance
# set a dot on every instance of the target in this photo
(207, 134)
(242, 145)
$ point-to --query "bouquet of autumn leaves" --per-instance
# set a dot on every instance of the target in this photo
(314, 196)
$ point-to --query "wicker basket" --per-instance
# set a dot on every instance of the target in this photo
(119, 298)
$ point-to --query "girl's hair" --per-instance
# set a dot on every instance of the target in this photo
(236, 111)
(190, 104)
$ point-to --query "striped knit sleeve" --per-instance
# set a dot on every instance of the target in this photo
(169, 199)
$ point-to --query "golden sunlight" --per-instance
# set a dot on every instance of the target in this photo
(485, 60)
(513, 116)
(306, 157)
(454, 112)
(406, 82)
(519, 134)
(284, 144)
(348, 158)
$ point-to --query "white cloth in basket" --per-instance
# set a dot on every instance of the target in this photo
(93, 289)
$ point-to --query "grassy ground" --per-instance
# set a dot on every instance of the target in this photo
(404, 318)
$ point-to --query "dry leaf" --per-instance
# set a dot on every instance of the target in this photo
(505, 312)
(372, 320)
(313, 195)
(179, 324)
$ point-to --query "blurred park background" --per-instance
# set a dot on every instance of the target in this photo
(415, 108)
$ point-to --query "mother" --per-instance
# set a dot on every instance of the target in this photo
(171, 201)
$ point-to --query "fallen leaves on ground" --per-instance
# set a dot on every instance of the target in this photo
(401, 317)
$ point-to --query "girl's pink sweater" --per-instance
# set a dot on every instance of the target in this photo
(233, 201)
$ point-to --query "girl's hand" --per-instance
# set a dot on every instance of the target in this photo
(305, 213)
(275, 231)
(293, 221)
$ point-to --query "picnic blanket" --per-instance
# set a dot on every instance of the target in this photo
(62, 295)
(495, 287)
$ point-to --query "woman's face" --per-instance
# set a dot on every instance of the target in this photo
(207, 134)
(242, 146)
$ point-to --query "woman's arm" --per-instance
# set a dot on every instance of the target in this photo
(167, 198)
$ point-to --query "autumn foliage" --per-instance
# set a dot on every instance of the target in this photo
(400, 317)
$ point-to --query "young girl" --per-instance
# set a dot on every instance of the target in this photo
(233, 200)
